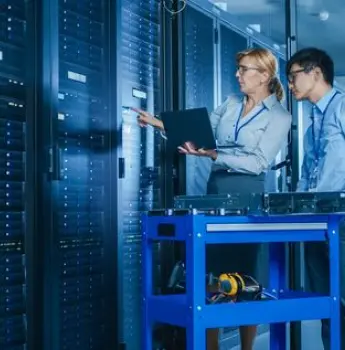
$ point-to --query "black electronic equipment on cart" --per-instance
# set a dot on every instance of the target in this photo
(265, 204)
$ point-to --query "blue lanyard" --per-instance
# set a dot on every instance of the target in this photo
(237, 129)
(317, 149)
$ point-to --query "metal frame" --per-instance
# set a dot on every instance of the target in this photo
(48, 102)
(217, 64)
(291, 48)
(112, 241)
(33, 249)
(115, 104)
(179, 100)
(190, 309)
(170, 95)
(116, 108)
(296, 252)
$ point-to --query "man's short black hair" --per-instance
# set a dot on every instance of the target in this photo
(312, 57)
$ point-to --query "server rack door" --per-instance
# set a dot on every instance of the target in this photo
(199, 58)
(78, 173)
(230, 43)
(12, 175)
(140, 83)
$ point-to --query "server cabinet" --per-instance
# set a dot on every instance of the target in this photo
(141, 150)
(199, 80)
(80, 206)
(77, 142)
(13, 208)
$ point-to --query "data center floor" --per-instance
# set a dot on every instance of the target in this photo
(310, 331)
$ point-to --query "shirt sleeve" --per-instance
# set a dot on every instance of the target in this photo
(329, 178)
(259, 160)
(340, 115)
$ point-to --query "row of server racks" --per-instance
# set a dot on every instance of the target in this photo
(77, 171)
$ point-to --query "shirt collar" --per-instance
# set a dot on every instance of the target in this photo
(324, 101)
(268, 102)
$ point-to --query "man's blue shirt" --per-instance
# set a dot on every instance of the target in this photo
(325, 146)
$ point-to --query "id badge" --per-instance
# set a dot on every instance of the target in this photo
(313, 179)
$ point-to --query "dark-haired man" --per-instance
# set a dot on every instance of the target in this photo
(310, 75)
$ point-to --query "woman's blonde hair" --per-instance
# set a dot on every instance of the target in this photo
(267, 62)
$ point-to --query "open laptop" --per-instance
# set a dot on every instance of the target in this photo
(188, 125)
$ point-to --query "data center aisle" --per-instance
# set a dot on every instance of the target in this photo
(311, 339)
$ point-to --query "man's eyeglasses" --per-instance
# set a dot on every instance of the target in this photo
(293, 74)
(243, 69)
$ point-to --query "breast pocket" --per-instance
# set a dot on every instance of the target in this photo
(257, 133)
(331, 138)
(330, 131)
(225, 131)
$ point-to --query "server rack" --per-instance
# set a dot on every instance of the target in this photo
(14, 234)
(141, 150)
(80, 206)
(77, 141)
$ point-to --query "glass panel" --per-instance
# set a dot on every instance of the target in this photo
(257, 16)
(199, 59)
(230, 44)
(326, 21)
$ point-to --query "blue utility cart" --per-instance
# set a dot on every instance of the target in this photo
(190, 310)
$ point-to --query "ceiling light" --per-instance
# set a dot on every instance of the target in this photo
(324, 15)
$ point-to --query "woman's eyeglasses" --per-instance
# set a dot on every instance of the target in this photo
(243, 69)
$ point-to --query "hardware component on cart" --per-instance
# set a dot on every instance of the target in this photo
(228, 287)
(227, 204)
(328, 202)
(239, 286)
(304, 203)
(262, 204)
(177, 280)
(290, 203)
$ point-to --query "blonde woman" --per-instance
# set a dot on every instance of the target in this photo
(255, 128)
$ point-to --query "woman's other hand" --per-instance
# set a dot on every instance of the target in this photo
(190, 149)
(145, 119)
